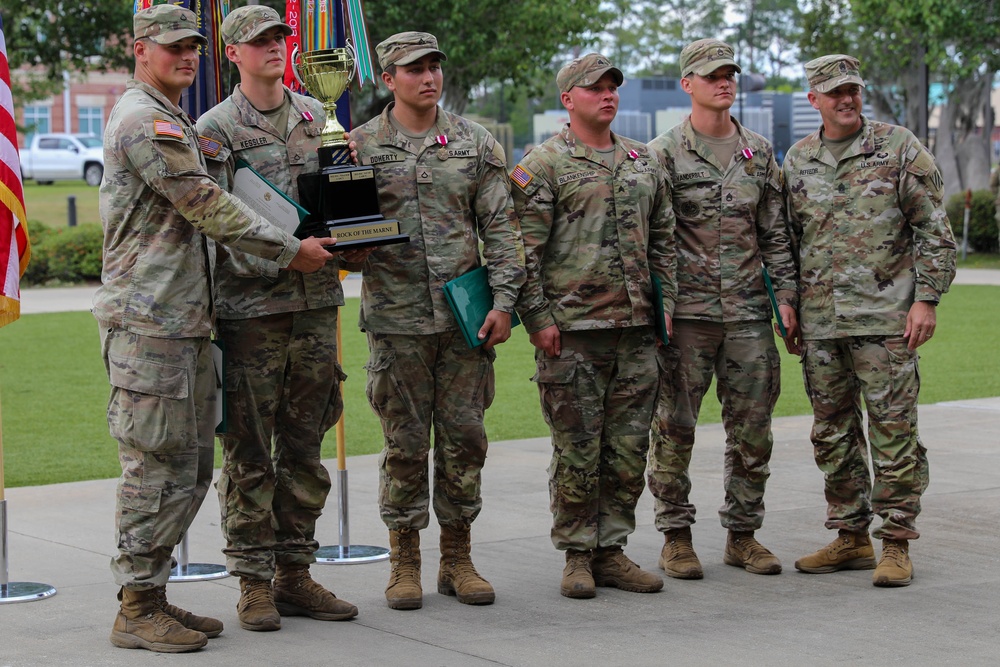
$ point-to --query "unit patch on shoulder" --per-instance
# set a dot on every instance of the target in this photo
(168, 129)
(209, 147)
(521, 176)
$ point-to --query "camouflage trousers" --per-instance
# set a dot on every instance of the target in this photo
(162, 413)
(597, 399)
(416, 383)
(283, 395)
(837, 374)
(746, 364)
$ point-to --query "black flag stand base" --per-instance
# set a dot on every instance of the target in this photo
(185, 571)
(17, 591)
(346, 553)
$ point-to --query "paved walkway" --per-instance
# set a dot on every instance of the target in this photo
(62, 535)
(59, 299)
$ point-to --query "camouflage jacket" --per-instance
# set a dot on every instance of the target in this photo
(248, 286)
(158, 205)
(729, 220)
(448, 198)
(592, 236)
(871, 232)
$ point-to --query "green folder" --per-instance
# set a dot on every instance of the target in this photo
(658, 314)
(471, 299)
(774, 301)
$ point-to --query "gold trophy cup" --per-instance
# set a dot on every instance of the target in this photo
(342, 198)
(326, 75)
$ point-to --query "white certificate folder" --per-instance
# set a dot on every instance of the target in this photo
(265, 199)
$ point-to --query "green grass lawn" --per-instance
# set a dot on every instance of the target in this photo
(979, 260)
(54, 390)
(48, 203)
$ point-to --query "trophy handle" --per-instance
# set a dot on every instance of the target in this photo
(354, 59)
(296, 56)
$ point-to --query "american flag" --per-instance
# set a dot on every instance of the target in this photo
(14, 248)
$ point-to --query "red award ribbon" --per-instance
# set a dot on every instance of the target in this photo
(293, 43)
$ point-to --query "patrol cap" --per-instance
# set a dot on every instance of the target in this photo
(705, 56)
(166, 24)
(246, 23)
(827, 72)
(586, 71)
(405, 47)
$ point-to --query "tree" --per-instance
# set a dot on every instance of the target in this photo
(957, 43)
(485, 40)
(77, 37)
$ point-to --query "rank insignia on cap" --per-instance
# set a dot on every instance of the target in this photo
(308, 116)
(166, 128)
(747, 153)
(521, 176)
(209, 147)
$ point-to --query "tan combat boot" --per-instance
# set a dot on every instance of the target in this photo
(894, 567)
(613, 569)
(141, 623)
(743, 550)
(578, 579)
(850, 551)
(677, 558)
(210, 627)
(297, 594)
(457, 575)
(256, 608)
(404, 591)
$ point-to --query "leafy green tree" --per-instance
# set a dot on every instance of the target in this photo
(485, 40)
(76, 37)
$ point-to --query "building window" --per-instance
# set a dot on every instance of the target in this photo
(36, 119)
(91, 120)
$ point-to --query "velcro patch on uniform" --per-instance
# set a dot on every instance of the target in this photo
(209, 147)
(521, 176)
(167, 129)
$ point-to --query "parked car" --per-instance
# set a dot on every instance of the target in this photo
(63, 157)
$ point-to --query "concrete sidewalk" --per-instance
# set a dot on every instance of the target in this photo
(63, 535)
(61, 299)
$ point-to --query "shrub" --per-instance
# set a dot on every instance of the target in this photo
(64, 255)
(983, 232)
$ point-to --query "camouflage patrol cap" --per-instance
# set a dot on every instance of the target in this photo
(705, 56)
(405, 47)
(246, 23)
(166, 24)
(586, 71)
(827, 72)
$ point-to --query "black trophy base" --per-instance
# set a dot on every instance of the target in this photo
(343, 202)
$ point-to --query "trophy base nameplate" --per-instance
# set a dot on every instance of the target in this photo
(366, 234)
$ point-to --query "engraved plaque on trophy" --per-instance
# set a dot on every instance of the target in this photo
(342, 197)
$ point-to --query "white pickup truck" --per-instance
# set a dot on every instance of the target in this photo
(63, 157)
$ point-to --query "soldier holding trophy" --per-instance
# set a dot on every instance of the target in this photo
(280, 332)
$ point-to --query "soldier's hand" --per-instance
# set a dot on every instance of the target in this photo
(793, 338)
(312, 255)
(352, 146)
(920, 324)
(356, 256)
(496, 329)
(548, 340)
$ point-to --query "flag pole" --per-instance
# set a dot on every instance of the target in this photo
(17, 591)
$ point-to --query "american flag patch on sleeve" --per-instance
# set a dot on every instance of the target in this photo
(209, 147)
(166, 128)
(521, 176)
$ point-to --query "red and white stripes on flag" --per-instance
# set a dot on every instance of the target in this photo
(14, 247)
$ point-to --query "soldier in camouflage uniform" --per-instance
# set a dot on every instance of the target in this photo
(875, 253)
(280, 333)
(444, 178)
(727, 199)
(597, 226)
(159, 208)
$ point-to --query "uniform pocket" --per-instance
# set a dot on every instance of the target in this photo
(151, 408)
(555, 378)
